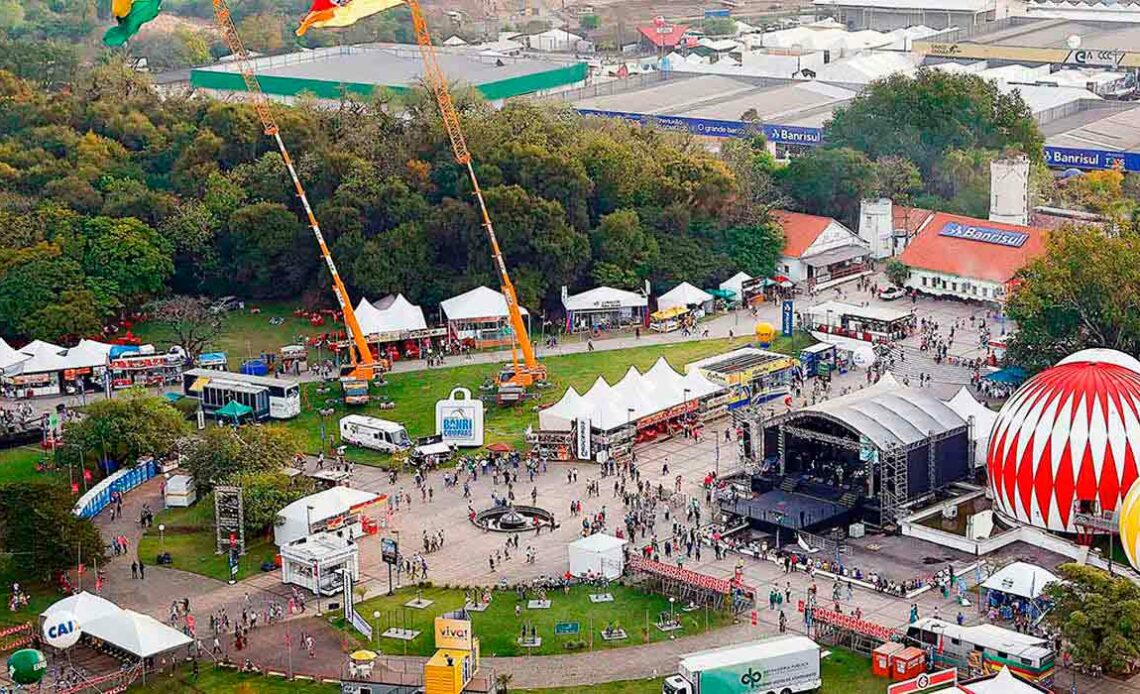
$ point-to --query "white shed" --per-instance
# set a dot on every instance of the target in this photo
(598, 554)
(318, 562)
(179, 491)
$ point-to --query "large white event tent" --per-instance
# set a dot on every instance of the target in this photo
(684, 294)
(1021, 579)
(603, 305)
(138, 634)
(10, 358)
(389, 315)
(735, 284)
(636, 396)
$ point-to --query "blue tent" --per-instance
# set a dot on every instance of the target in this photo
(1013, 375)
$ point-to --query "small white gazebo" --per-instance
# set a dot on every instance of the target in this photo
(598, 555)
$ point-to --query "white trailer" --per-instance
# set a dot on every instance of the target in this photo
(372, 432)
(780, 665)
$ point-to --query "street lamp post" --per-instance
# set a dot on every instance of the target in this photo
(161, 537)
(672, 619)
(376, 616)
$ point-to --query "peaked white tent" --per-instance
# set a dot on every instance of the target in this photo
(85, 606)
(966, 407)
(140, 635)
(480, 302)
(391, 315)
(603, 307)
(1004, 682)
(10, 358)
(1020, 579)
(735, 284)
(684, 294)
(598, 554)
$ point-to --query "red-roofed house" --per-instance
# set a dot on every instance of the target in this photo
(818, 249)
(969, 258)
(663, 36)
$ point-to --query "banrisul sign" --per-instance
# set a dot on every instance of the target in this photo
(712, 127)
(459, 419)
(984, 234)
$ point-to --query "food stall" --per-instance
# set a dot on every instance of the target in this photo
(668, 320)
(336, 508)
(137, 369)
(216, 361)
(318, 562)
(603, 308)
(866, 323)
(752, 376)
(479, 318)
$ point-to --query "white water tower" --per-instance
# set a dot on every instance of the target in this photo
(876, 226)
(1009, 191)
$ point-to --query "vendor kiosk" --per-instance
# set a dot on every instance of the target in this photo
(668, 320)
(818, 360)
(318, 562)
(145, 370)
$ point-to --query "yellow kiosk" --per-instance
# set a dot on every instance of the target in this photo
(457, 658)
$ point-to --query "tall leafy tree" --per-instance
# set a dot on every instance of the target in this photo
(40, 536)
(128, 426)
(1082, 293)
(1099, 617)
(831, 182)
(922, 117)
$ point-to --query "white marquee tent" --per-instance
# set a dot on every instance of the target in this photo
(10, 358)
(390, 315)
(735, 284)
(603, 298)
(635, 396)
(138, 634)
(598, 554)
(480, 302)
(1020, 579)
(966, 406)
(296, 520)
(684, 294)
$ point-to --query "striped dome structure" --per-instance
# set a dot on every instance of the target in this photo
(1069, 434)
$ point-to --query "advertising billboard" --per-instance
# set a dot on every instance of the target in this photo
(459, 419)
(453, 633)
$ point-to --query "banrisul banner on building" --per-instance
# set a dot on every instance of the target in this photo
(1070, 157)
(459, 419)
(711, 127)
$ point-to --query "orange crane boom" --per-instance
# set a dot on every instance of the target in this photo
(363, 365)
(530, 371)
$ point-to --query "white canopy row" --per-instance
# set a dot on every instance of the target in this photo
(389, 315)
(600, 298)
(43, 357)
(635, 396)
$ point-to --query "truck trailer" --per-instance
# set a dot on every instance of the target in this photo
(780, 665)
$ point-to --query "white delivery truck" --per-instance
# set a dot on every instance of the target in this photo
(780, 665)
(374, 433)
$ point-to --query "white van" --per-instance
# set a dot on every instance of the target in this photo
(374, 433)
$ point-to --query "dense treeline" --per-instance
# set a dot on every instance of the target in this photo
(112, 196)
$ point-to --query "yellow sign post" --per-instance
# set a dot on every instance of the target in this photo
(457, 660)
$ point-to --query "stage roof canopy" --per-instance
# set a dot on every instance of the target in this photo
(889, 415)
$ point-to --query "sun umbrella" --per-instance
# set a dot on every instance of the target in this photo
(363, 656)
(500, 447)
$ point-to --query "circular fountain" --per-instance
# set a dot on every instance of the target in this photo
(513, 519)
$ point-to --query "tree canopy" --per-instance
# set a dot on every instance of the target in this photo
(1098, 616)
(40, 535)
(130, 425)
(114, 197)
(924, 116)
(1082, 293)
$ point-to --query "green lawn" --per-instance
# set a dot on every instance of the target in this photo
(246, 333)
(498, 628)
(19, 465)
(223, 681)
(650, 686)
(190, 538)
(415, 394)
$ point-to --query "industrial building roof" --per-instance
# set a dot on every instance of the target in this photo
(1098, 128)
(1055, 33)
(363, 68)
(806, 104)
(932, 5)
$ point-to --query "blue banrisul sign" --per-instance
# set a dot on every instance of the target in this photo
(711, 127)
(971, 232)
(1069, 157)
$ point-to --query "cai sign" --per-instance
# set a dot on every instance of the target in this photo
(459, 419)
(971, 232)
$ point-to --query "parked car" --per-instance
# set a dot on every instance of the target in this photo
(892, 293)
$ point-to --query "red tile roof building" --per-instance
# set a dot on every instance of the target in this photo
(818, 249)
(969, 258)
